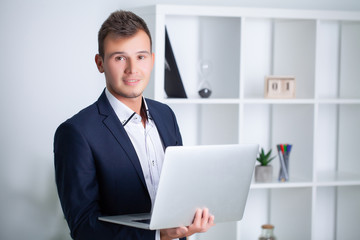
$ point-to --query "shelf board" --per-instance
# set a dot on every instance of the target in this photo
(257, 101)
(236, 101)
(337, 179)
(201, 101)
(278, 101)
(324, 179)
(297, 183)
(338, 101)
(301, 101)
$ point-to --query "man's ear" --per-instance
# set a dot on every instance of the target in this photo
(153, 58)
(99, 63)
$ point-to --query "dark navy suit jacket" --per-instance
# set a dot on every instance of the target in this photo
(98, 172)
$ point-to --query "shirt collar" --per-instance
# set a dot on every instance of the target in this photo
(123, 112)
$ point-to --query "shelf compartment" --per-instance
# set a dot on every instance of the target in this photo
(348, 212)
(256, 214)
(337, 209)
(348, 139)
(286, 216)
(279, 47)
(294, 53)
(336, 140)
(272, 124)
(276, 206)
(196, 38)
(325, 152)
(338, 59)
(256, 55)
(328, 57)
(207, 124)
(350, 60)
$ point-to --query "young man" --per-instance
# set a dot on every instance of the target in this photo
(108, 157)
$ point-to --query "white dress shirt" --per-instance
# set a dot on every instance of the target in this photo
(146, 141)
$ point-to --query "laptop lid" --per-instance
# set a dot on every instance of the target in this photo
(214, 176)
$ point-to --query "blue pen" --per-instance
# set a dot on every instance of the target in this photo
(289, 147)
(286, 157)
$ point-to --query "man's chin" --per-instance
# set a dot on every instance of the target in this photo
(131, 95)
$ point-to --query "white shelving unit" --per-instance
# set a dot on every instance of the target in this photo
(320, 48)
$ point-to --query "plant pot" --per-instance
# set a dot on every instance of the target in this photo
(263, 173)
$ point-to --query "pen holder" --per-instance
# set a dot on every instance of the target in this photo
(284, 153)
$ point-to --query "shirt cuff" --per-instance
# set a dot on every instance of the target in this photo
(157, 235)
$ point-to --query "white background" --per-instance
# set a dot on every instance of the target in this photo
(48, 74)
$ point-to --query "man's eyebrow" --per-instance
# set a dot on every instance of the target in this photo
(124, 53)
(114, 53)
(144, 52)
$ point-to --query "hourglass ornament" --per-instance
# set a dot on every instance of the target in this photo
(204, 86)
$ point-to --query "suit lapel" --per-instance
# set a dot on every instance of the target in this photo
(112, 122)
(157, 116)
(160, 127)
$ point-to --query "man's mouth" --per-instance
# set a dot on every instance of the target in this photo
(131, 81)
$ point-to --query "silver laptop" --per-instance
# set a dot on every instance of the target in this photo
(215, 176)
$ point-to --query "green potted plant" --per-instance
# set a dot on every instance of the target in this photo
(264, 171)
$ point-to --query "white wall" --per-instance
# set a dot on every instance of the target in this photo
(47, 75)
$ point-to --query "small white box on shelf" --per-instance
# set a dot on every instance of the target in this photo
(280, 87)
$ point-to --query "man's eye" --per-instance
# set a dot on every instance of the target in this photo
(120, 58)
(141, 57)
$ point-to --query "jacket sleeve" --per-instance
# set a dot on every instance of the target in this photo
(77, 185)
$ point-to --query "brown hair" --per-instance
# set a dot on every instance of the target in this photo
(122, 24)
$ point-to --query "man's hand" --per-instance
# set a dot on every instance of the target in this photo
(203, 221)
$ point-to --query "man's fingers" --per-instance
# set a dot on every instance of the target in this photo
(205, 218)
(197, 218)
(203, 221)
(212, 220)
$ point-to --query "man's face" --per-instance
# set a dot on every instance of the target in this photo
(127, 65)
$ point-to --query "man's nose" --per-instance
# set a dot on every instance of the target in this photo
(131, 66)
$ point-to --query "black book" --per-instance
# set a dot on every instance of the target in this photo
(174, 87)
